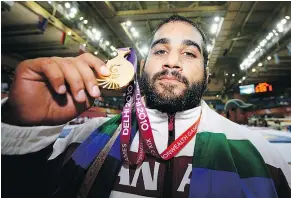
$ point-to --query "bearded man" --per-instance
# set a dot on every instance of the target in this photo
(182, 148)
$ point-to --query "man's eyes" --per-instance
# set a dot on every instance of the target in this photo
(160, 52)
(163, 52)
(189, 54)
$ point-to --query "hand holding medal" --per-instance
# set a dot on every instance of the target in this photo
(121, 71)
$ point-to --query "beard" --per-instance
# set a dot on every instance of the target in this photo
(168, 101)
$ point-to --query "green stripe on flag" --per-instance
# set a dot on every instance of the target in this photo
(67, 38)
(248, 160)
(111, 125)
(214, 151)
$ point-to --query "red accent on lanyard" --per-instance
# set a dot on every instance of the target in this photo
(126, 130)
(171, 123)
(146, 134)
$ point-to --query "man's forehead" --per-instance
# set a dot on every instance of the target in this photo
(178, 31)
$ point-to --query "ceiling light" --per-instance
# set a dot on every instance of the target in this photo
(209, 47)
(89, 33)
(107, 43)
(217, 96)
(95, 52)
(276, 34)
(97, 33)
(112, 47)
(74, 10)
(244, 78)
(279, 26)
(254, 70)
(49, 2)
(269, 57)
(233, 75)
(287, 17)
(210, 74)
(97, 37)
(94, 30)
(81, 18)
(114, 53)
(239, 81)
(101, 40)
(132, 29)
(85, 21)
(69, 33)
(270, 35)
(72, 15)
(145, 49)
(135, 34)
(280, 29)
(214, 28)
(128, 23)
(216, 19)
(67, 5)
(260, 64)
(283, 21)
(84, 44)
(226, 74)
(263, 43)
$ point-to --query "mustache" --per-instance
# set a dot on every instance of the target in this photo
(174, 73)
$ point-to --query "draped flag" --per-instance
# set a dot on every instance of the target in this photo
(228, 161)
(289, 49)
(65, 38)
(42, 23)
(276, 58)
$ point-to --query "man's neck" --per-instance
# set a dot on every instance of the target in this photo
(168, 110)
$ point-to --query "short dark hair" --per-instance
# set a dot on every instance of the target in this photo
(175, 18)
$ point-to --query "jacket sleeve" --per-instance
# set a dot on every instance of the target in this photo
(32, 156)
(24, 153)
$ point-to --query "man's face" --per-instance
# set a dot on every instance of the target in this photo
(174, 75)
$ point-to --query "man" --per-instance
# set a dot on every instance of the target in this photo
(235, 111)
(223, 159)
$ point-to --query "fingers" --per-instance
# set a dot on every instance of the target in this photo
(76, 72)
(45, 66)
(88, 77)
(55, 76)
(98, 65)
(72, 77)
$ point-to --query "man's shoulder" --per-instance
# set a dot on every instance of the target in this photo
(83, 130)
(214, 122)
(76, 134)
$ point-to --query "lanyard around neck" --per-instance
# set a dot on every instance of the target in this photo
(146, 138)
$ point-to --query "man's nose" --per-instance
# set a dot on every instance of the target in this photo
(173, 62)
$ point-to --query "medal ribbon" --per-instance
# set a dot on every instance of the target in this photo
(145, 131)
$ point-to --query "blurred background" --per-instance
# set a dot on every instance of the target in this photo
(249, 45)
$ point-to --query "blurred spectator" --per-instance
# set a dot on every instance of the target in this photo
(236, 111)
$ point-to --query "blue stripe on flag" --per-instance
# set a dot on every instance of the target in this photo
(208, 183)
(90, 148)
(115, 150)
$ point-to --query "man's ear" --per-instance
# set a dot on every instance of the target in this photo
(141, 66)
(207, 74)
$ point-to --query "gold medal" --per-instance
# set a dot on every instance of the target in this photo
(121, 72)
